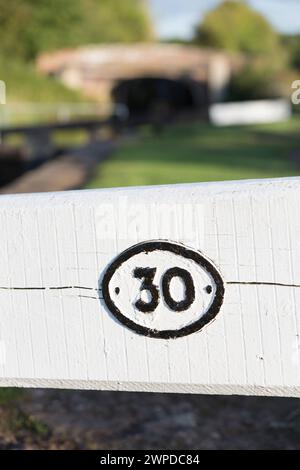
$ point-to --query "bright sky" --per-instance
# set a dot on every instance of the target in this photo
(177, 18)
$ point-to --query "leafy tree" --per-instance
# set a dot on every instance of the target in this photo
(116, 21)
(292, 45)
(235, 27)
(28, 27)
(254, 82)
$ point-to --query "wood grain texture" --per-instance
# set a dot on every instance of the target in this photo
(55, 330)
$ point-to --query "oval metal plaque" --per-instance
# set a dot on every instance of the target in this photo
(162, 289)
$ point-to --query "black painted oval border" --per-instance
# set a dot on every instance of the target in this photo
(177, 249)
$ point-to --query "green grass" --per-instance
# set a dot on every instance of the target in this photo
(24, 84)
(200, 152)
(9, 395)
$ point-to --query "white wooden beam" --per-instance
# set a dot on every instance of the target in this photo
(79, 311)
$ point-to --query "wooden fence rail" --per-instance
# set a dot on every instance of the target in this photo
(186, 288)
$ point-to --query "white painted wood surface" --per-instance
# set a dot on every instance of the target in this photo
(55, 330)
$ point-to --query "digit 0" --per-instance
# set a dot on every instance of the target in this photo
(189, 294)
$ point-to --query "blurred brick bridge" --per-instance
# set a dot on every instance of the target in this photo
(98, 70)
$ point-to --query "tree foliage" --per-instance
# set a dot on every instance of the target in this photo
(28, 27)
(292, 45)
(235, 27)
(254, 82)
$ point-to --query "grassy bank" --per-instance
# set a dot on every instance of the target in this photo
(200, 152)
(24, 84)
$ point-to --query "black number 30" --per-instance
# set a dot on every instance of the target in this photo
(147, 275)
